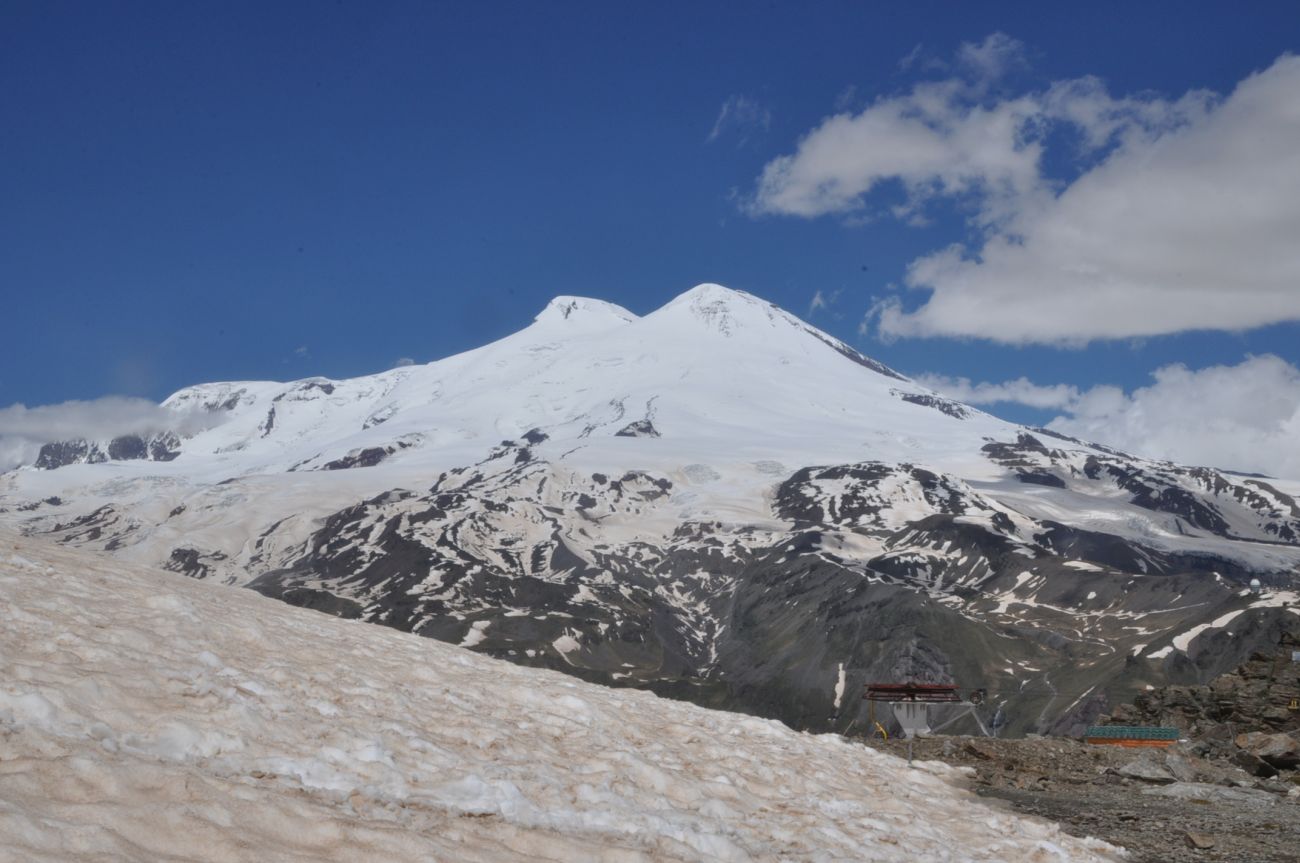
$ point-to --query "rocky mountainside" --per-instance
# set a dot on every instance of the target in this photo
(1260, 695)
(716, 501)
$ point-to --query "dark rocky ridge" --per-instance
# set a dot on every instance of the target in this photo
(1200, 498)
(638, 428)
(1256, 696)
(160, 447)
(763, 621)
(956, 410)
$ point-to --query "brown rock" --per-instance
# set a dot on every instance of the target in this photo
(1253, 764)
(1281, 751)
(1198, 841)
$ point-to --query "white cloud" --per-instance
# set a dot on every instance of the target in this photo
(1245, 417)
(923, 140)
(1019, 391)
(24, 430)
(1241, 417)
(823, 300)
(403, 361)
(990, 60)
(1186, 219)
(912, 57)
(740, 115)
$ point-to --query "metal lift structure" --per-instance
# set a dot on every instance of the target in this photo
(911, 706)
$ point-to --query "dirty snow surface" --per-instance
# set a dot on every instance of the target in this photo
(145, 716)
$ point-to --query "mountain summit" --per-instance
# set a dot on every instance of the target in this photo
(583, 311)
(717, 501)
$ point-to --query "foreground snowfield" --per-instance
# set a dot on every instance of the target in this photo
(145, 716)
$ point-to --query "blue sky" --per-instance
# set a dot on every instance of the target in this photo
(199, 192)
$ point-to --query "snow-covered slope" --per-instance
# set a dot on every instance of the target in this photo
(718, 374)
(144, 716)
(715, 500)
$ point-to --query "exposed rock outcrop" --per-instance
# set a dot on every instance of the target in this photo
(1262, 695)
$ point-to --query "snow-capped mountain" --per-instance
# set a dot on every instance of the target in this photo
(715, 500)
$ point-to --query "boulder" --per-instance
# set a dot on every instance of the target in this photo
(1253, 764)
(1280, 751)
(1147, 770)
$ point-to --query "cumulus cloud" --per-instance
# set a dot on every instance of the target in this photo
(24, 430)
(921, 140)
(741, 116)
(1019, 391)
(1183, 215)
(1240, 417)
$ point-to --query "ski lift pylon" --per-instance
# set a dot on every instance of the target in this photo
(930, 693)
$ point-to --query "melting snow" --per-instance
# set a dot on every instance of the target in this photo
(477, 632)
(146, 716)
(566, 644)
(1184, 640)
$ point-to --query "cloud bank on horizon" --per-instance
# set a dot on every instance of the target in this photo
(1184, 216)
(1243, 417)
(24, 430)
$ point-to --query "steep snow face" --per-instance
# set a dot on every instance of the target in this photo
(145, 716)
